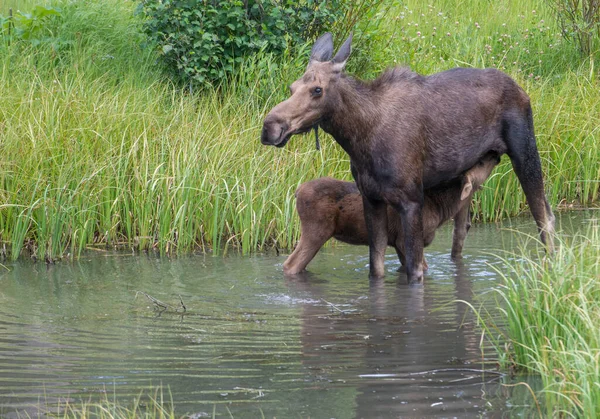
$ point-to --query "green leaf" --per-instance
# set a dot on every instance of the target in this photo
(43, 11)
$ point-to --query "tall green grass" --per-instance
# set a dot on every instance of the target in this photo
(551, 307)
(95, 162)
(98, 148)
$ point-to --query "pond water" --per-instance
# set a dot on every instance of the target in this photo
(328, 344)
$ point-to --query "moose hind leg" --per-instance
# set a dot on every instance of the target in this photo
(462, 224)
(525, 158)
(311, 240)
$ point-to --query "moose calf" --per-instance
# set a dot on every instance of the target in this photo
(332, 208)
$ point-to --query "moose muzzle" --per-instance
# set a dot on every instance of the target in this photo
(274, 132)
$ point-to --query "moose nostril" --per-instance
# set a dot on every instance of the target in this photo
(270, 132)
(264, 136)
(273, 129)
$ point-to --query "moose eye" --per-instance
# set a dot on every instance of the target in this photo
(317, 91)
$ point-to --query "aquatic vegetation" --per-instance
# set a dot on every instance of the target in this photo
(154, 403)
(551, 306)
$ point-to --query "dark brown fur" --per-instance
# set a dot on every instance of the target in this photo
(405, 133)
(329, 208)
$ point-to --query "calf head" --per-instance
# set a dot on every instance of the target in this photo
(475, 176)
(312, 96)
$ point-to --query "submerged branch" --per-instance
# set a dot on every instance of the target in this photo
(163, 306)
(333, 306)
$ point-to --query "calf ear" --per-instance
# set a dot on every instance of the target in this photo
(467, 189)
(339, 61)
(322, 50)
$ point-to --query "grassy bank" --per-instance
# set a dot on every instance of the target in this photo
(99, 148)
(552, 311)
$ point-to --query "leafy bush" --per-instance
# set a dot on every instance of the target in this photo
(203, 41)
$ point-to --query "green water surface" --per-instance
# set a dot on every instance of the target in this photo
(328, 344)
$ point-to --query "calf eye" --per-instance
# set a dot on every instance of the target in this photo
(317, 91)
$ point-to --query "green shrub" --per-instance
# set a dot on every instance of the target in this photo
(579, 21)
(203, 41)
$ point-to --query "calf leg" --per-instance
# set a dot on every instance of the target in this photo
(462, 224)
(313, 237)
(376, 219)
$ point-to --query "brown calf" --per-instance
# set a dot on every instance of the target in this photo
(332, 208)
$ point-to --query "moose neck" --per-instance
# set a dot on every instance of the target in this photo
(353, 116)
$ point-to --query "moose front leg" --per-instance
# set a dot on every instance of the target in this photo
(411, 212)
(376, 219)
(402, 260)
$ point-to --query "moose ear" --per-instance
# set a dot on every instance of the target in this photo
(467, 189)
(322, 50)
(342, 55)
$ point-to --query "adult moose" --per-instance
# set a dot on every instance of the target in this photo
(405, 132)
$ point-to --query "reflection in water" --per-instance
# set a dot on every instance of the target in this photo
(418, 352)
(326, 344)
